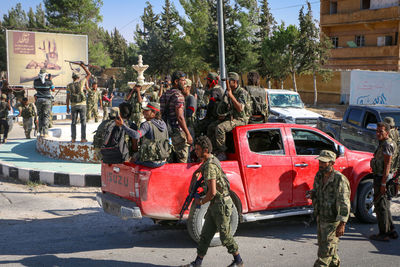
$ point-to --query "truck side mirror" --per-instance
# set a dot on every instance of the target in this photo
(339, 150)
(371, 126)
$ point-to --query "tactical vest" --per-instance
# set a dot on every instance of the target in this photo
(136, 106)
(43, 90)
(259, 101)
(27, 111)
(222, 182)
(157, 149)
(377, 163)
(76, 92)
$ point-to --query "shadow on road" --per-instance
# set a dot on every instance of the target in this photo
(51, 260)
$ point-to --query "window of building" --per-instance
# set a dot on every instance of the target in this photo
(335, 41)
(365, 4)
(360, 40)
(388, 40)
(333, 7)
(266, 142)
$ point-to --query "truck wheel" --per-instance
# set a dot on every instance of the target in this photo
(365, 203)
(196, 221)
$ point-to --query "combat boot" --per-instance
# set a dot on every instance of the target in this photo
(192, 264)
(236, 264)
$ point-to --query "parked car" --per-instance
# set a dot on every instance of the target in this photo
(286, 106)
(270, 167)
(358, 127)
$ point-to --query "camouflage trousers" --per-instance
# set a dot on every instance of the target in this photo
(180, 146)
(218, 218)
(382, 208)
(106, 110)
(327, 244)
(28, 125)
(92, 110)
(43, 106)
(217, 132)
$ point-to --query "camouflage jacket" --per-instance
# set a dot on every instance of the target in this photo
(211, 169)
(377, 163)
(331, 201)
(394, 135)
(28, 111)
(93, 97)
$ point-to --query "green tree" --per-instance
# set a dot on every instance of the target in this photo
(148, 38)
(278, 52)
(16, 18)
(168, 26)
(266, 25)
(315, 48)
(118, 49)
(36, 20)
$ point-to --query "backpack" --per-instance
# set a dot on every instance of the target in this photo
(76, 92)
(114, 149)
(158, 149)
(98, 138)
(259, 101)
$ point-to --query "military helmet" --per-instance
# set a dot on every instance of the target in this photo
(114, 112)
(42, 71)
(390, 121)
(233, 76)
(212, 76)
(153, 106)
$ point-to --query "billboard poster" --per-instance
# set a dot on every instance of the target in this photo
(374, 88)
(28, 52)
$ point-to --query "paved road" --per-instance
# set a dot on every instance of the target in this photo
(62, 226)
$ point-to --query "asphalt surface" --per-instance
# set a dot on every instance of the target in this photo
(64, 226)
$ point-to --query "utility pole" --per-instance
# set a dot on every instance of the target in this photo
(221, 43)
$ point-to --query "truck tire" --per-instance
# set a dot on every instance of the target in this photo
(196, 220)
(365, 203)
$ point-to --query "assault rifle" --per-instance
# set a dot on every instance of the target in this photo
(192, 194)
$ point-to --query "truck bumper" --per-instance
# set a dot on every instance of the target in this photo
(119, 207)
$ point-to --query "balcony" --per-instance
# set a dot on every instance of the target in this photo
(361, 16)
(366, 52)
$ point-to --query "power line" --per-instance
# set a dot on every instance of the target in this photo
(128, 23)
(280, 8)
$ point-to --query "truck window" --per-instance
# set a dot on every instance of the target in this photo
(369, 118)
(310, 143)
(355, 117)
(266, 142)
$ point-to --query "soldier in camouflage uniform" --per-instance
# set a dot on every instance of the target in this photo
(93, 97)
(394, 133)
(172, 104)
(233, 111)
(135, 98)
(190, 107)
(219, 212)
(28, 112)
(212, 96)
(331, 201)
(383, 167)
(5, 107)
(43, 85)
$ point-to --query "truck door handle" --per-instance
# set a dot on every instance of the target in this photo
(254, 166)
(301, 165)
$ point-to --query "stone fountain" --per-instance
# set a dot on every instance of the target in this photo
(140, 69)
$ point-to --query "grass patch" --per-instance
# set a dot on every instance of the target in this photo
(34, 184)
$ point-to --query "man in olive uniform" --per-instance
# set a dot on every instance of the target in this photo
(394, 133)
(259, 99)
(93, 97)
(106, 104)
(111, 86)
(219, 212)
(331, 201)
(77, 97)
(28, 113)
(43, 86)
(5, 107)
(382, 168)
(135, 98)
(172, 104)
(212, 96)
(233, 111)
(190, 107)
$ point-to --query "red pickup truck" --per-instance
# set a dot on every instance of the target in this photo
(270, 167)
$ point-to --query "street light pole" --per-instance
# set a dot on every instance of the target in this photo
(221, 42)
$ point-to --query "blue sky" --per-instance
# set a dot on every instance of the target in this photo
(125, 14)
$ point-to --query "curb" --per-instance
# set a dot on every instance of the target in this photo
(50, 177)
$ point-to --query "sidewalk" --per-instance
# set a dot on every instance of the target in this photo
(19, 159)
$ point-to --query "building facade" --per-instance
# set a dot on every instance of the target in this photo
(364, 33)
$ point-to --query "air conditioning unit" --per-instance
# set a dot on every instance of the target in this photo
(381, 41)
